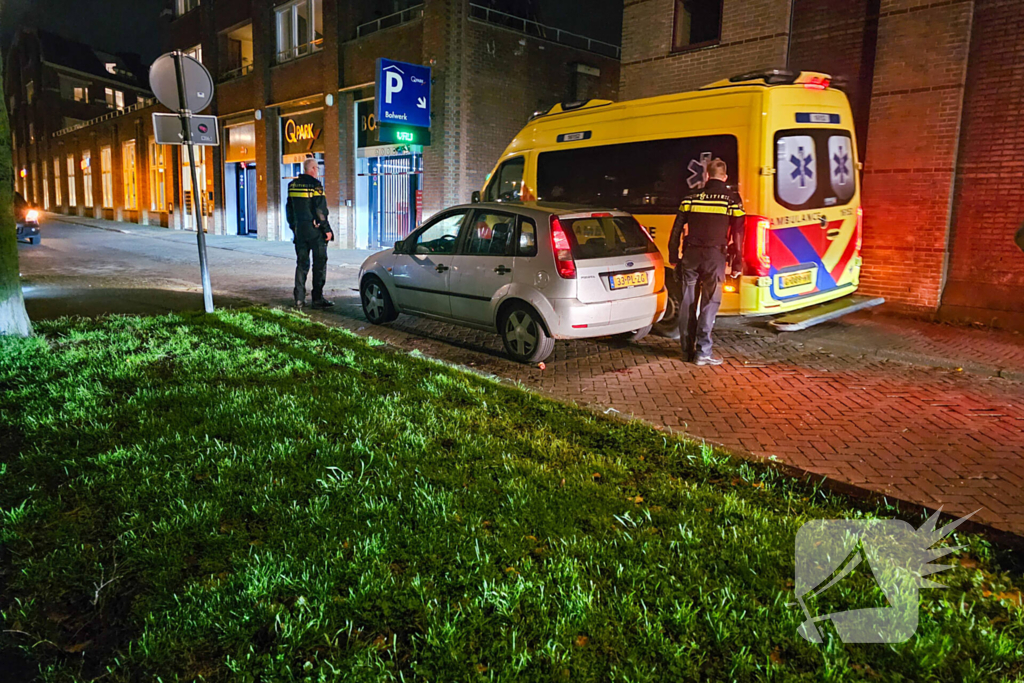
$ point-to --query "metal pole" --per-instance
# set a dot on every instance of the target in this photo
(186, 126)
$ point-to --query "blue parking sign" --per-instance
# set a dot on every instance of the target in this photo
(403, 93)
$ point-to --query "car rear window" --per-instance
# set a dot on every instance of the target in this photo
(607, 236)
(815, 168)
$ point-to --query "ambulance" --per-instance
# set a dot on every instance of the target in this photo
(789, 142)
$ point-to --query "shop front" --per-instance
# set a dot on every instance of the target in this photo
(389, 185)
(240, 186)
(301, 139)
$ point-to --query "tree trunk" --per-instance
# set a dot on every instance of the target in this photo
(13, 318)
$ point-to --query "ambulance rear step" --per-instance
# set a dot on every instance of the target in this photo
(815, 315)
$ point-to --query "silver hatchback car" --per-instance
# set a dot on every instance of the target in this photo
(532, 272)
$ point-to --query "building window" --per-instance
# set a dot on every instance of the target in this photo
(195, 53)
(35, 183)
(107, 177)
(186, 6)
(73, 89)
(87, 178)
(128, 170)
(114, 98)
(139, 100)
(72, 194)
(57, 199)
(157, 177)
(30, 91)
(300, 29)
(697, 23)
(238, 55)
(46, 187)
(31, 132)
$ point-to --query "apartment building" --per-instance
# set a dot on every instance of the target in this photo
(295, 79)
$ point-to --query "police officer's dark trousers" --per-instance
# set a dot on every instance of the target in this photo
(314, 244)
(703, 274)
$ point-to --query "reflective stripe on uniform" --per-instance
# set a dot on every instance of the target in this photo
(736, 210)
(703, 208)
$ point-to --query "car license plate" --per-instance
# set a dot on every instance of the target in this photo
(625, 280)
(804, 277)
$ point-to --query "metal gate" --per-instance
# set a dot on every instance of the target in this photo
(393, 184)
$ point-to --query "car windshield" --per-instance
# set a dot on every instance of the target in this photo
(607, 236)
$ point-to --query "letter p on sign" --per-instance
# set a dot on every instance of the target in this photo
(392, 84)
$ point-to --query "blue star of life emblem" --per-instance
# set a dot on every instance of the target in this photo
(697, 169)
(802, 171)
(842, 170)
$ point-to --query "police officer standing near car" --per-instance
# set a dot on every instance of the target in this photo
(713, 216)
(307, 213)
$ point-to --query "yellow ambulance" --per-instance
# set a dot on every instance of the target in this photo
(788, 140)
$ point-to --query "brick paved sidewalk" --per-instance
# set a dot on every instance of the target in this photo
(927, 435)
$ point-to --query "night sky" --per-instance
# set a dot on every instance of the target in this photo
(136, 26)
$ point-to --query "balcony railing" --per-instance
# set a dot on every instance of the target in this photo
(148, 102)
(550, 33)
(299, 51)
(236, 73)
(396, 19)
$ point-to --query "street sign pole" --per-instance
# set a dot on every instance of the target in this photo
(186, 126)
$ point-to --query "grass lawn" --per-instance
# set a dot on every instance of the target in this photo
(255, 497)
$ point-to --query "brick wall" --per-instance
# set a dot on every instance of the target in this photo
(986, 269)
(509, 77)
(754, 36)
(839, 39)
(917, 95)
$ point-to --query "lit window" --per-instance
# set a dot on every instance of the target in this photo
(72, 181)
(111, 68)
(119, 99)
(31, 132)
(81, 94)
(87, 177)
(46, 187)
(108, 96)
(58, 200)
(697, 23)
(300, 29)
(130, 177)
(186, 6)
(106, 165)
(157, 177)
(195, 53)
(30, 91)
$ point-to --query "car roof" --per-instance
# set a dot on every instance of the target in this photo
(553, 208)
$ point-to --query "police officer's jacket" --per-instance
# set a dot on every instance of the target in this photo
(714, 214)
(306, 208)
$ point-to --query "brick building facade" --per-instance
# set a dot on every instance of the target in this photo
(281, 64)
(937, 90)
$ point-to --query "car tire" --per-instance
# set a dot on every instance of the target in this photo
(524, 336)
(635, 335)
(668, 326)
(377, 305)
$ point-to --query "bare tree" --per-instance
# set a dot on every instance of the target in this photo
(13, 318)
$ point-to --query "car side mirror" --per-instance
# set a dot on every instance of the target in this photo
(399, 246)
(475, 197)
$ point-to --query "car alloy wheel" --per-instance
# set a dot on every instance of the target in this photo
(521, 332)
(373, 302)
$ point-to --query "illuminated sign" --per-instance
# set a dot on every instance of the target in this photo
(303, 133)
(402, 135)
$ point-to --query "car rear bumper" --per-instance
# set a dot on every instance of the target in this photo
(576, 320)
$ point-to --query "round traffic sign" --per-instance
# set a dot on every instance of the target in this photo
(163, 80)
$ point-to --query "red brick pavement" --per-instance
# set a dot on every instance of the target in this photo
(933, 436)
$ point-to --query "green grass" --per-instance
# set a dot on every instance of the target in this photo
(254, 497)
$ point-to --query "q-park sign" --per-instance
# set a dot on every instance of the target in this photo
(403, 94)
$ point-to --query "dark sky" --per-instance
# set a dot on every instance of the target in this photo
(112, 25)
(135, 25)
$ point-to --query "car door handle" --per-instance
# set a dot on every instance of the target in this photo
(833, 233)
(441, 268)
(501, 270)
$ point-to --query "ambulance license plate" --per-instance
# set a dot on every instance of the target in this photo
(625, 280)
(804, 277)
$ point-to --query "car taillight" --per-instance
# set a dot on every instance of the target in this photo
(755, 249)
(860, 230)
(32, 215)
(563, 251)
(817, 83)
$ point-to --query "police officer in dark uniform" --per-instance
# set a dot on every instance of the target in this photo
(715, 218)
(307, 217)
